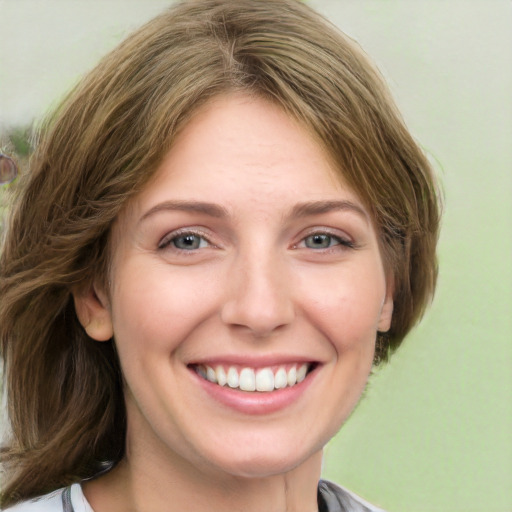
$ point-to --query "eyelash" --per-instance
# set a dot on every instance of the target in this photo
(169, 241)
(345, 243)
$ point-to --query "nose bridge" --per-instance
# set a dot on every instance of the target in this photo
(259, 292)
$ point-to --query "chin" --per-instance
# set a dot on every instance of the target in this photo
(264, 460)
(263, 467)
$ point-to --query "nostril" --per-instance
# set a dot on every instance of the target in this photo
(260, 318)
(259, 297)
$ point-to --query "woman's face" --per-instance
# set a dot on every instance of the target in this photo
(245, 262)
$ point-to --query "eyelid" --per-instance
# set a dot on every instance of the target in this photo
(167, 239)
(345, 240)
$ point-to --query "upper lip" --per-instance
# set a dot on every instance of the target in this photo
(252, 361)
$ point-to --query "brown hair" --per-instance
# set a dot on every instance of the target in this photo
(102, 145)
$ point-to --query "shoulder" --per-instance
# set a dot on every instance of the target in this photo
(70, 499)
(333, 498)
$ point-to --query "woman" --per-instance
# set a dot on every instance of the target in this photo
(225, 226)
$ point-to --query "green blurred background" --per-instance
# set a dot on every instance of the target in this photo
(434, 431)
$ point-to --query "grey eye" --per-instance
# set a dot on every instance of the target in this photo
(320, 241)
(8, 169)
(188, 242)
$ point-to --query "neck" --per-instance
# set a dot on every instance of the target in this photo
(141, 484)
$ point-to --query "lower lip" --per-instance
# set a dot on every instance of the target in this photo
(256, 402)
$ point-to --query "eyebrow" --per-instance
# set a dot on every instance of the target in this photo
(320, 207)
(214, 210)
(210, 209)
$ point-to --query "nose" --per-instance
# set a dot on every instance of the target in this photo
(259, 295)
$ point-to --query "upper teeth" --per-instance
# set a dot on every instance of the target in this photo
(251, 379)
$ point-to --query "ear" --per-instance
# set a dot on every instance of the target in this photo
(386, 312)
(93, 311)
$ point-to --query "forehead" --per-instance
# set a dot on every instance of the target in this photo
(239, 144)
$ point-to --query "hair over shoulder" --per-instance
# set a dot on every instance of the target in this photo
(104, 142)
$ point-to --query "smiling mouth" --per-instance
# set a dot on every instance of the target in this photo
(265, 380)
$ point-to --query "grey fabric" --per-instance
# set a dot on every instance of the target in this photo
(66, 500)
(332, 498)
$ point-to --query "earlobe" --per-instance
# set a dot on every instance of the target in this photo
(93, 312)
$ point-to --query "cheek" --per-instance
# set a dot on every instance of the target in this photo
(346, 305)
(154, 310)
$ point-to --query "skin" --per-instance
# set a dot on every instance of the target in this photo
(259, 287)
